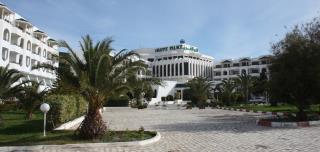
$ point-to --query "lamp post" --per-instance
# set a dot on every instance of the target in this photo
(44, 108)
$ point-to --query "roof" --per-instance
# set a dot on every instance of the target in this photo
(38, 31)
(51, 39)
(21, 19)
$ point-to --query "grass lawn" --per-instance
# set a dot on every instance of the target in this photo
(279, 108)
(16, 131)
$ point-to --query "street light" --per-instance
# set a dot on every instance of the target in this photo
(44, 108)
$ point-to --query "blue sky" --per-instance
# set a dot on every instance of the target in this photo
(220, 28)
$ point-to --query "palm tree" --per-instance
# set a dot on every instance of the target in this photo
(9, 82)
(244, 83)
(31, 97)
(142, 87)
(199, 89)
(100, 75)
(227, 88)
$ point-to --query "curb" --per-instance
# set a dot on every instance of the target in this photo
(84, 145)
(268, 123)
(70, 124)
(259, 112)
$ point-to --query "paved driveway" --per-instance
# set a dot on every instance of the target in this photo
(210, 130)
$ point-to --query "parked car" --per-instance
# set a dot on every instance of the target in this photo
(258, 100)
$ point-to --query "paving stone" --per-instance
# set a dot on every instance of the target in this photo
(204, 131)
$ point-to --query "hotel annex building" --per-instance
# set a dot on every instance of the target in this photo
(177, 64)
(23, 45)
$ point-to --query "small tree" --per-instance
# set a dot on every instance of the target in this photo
(200, 89)
(30, 98)
(244, 83)
(227, 88)
(295, 69)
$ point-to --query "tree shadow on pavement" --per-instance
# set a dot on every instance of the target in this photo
(225, 123)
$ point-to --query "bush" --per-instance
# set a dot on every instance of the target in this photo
(117, 102)
(7, 107)
(169, 98)
(64, 108)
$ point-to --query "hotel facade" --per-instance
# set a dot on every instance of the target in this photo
(175, 65)
(23, 45)
(231, 68)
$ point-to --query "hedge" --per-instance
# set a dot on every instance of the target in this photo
(117, 102)
(64, 108)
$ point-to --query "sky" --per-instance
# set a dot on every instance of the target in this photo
(223, 29)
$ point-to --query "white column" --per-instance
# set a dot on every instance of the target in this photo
(182, 69)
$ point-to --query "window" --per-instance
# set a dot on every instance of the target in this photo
(236, 64)
(21, 43)
(44, 53)
(150, 59)
(255, 63)
(177, 69)
(28, 61)
(263, 62)
(157, 71)
(29, 45)
(263, 70)
(243, 71)
(186, 68)
(181, 69)
(4, 54)
(234, 72)
(218, 66)
(153, 70)
(168, 70)
(164, 70)
(226, 65)
(6, 35)
(172, 69)
(225, 73)
(20, 60)
(254, 70)
(217, 73)
(39, 51)
(244, 63)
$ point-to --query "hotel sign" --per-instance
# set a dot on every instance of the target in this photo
(176, 47)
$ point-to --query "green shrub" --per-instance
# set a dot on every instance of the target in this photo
(117, 102)
(65, 108)
(170, 98)
(8, 107)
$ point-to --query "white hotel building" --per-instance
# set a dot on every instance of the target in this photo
(175, 65)
(231, 68)
(24, 45)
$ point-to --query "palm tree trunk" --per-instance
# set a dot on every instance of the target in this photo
(301, 115)
(29, 115)
(93, 126)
